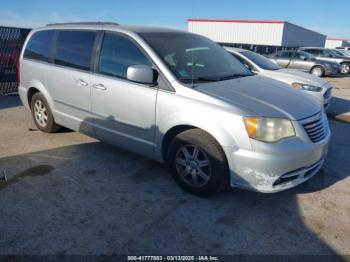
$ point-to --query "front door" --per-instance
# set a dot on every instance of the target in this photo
(283, 58)
(124, 111)
(300, 61)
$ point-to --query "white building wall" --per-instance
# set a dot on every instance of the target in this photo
(270, 33)
(297, 36)
(236, 32)
(333, 43)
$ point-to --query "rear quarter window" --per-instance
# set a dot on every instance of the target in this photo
(39, 46)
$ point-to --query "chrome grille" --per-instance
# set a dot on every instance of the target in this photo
(316, 127)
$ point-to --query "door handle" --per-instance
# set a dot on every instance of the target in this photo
(100, 87)
(81, 82)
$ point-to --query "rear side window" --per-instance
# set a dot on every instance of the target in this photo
(39, 46)
(284, 54)
(313, 51)
(117, 54)
(74, 49)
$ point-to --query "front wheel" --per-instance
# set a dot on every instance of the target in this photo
(345, 68)
(317, 71)
(197, 163)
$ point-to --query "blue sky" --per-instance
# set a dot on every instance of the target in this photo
(324, 16)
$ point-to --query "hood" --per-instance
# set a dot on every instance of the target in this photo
(263, 96)
(290, 76)
(330, 60)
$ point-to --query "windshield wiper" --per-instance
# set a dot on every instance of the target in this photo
(212, 79)
(198, 79)
(233, 76)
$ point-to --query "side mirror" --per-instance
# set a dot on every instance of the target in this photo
(142, 74)
(305, 58)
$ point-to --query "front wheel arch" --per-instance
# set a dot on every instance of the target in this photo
(205, 142)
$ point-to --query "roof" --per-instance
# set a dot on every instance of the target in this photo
(338, 39)
(238, 21)
(311, 47)
(84, 23)
(234, 49)
(111, 26)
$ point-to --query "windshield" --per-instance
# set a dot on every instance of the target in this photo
(260, 60)
(336, 52)
(345, 52)
(195, 58)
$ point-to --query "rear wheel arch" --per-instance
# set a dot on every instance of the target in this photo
(35, 87)
(31, 92)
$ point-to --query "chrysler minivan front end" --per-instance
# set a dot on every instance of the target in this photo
(284, 153)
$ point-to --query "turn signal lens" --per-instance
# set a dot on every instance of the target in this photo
(251, 124)
(296, 85)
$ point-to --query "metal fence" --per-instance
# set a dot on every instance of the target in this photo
(11, 42)
(260, 49)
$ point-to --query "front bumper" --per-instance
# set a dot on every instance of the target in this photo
(276, 167)
(332, 71)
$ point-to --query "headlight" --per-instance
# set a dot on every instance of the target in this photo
(307, 87)
(268, 129)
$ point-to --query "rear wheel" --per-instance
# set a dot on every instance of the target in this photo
(345, 68)
(317, 71)
(198, 163)
(42, 114)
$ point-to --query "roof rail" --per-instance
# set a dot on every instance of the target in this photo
(85, 23)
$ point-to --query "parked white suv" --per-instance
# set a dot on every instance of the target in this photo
(174, 97)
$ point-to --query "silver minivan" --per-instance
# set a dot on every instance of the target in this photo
(175, 97)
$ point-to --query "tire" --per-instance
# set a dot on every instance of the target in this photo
(345, 68)
(318, 71)
(188, 171)
(42, 114)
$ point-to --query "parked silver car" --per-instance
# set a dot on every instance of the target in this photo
(304, 61)
(342, 52)
(308, 84)
(329, 55)
(174, 97)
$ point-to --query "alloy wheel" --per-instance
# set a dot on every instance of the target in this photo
(345, 69)
(40, 113)
(317, 71)
(193, 165)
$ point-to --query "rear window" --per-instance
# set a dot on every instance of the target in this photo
(74, 49)
(39, 46)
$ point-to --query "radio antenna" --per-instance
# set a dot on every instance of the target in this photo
(192, 47)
